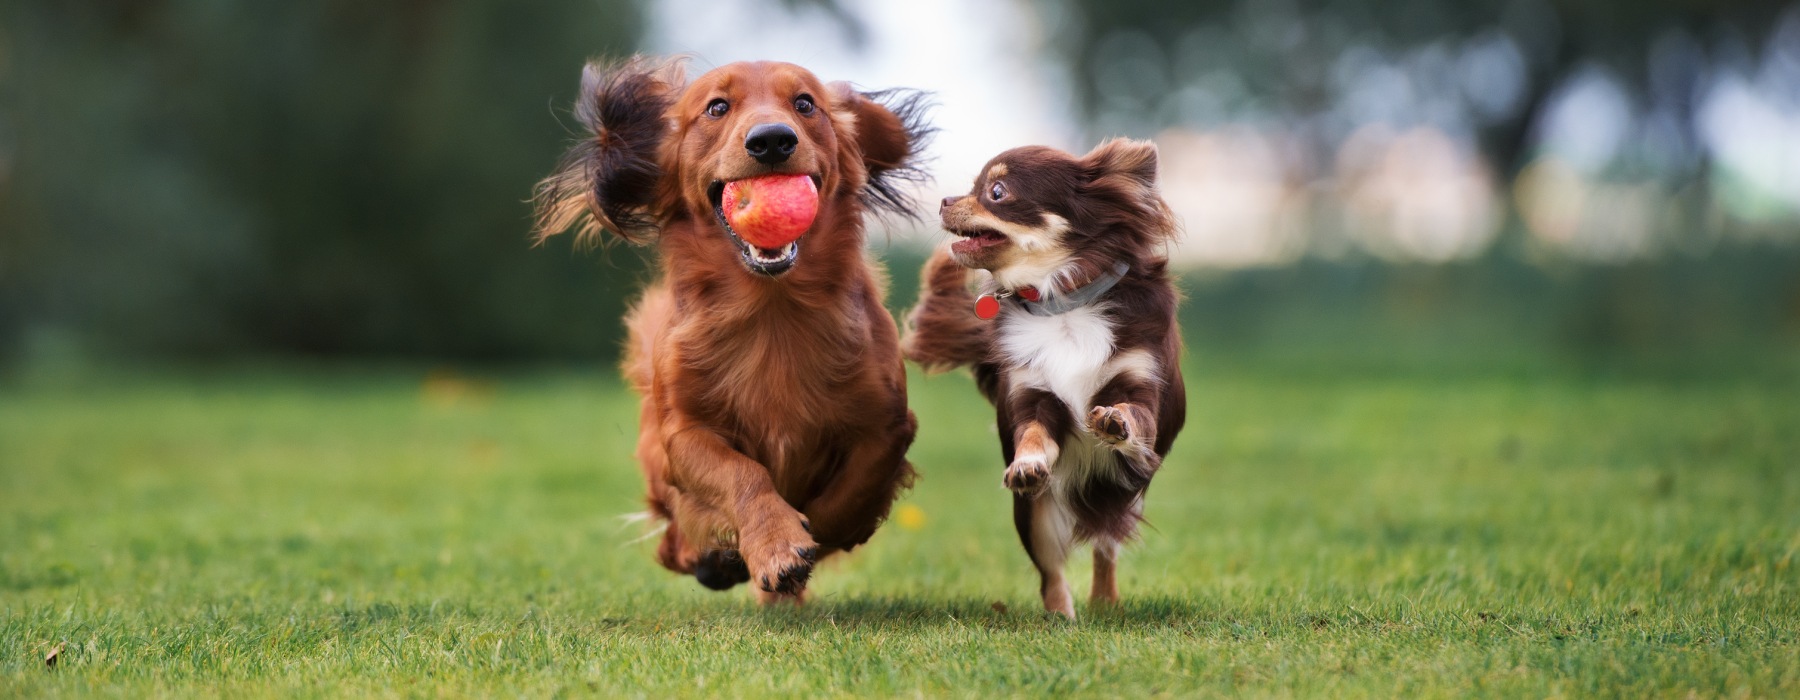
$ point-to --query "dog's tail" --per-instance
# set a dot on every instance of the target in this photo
(942, 332)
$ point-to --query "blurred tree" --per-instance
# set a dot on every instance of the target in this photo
(1488, 66)
(328, 177)
(194, 179)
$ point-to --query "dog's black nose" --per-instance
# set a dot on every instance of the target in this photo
(771, 143)
(949, 202)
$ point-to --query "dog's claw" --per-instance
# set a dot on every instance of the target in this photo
(786, 563)
(791, 579)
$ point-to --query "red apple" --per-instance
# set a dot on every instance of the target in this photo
(772, 210)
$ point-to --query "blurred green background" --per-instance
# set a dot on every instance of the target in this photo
(1493, 322)
(185, 182)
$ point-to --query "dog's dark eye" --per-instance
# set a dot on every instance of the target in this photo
(997, 192)
(803, 104)
(717, 108)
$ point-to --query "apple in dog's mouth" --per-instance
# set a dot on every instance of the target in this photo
(765, 216)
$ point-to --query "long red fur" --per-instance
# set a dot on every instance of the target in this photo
(774, 424)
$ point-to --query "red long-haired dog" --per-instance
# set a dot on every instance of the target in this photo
(1074, 341)
(774, 424)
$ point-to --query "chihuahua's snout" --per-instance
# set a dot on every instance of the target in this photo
(948, 202)
(771, 143)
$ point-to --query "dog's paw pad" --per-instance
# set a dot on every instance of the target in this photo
(1027, 476)
(1109, 424)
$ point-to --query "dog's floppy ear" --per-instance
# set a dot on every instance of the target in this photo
(609, 179)
(1123, 172)
(891, 133)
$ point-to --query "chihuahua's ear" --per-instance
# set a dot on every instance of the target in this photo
(1123, 172)
(891, 134)
(609, 179)
(1122, 158)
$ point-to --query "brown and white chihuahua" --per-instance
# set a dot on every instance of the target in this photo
(1071, 334)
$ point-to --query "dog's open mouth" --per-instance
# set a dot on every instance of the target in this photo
(763, 261)
(975, 240)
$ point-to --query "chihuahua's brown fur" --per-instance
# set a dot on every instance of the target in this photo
(1088, 399)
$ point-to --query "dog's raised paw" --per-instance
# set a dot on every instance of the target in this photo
(789, 576)
(1027, 475)
(1109, 423)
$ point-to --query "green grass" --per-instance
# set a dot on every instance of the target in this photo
(1350, 535)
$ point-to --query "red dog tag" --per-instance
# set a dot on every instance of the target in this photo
(987, 306)
(1029, 294)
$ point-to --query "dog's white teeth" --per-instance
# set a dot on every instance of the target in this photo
(777, 255)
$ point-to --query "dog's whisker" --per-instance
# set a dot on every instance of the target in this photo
(651, 534)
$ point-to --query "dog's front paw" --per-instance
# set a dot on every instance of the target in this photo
(787, 572)
(781, 560)
(1110, 424)
(1027, 475)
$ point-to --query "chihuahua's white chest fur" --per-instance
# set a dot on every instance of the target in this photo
(1067, 354)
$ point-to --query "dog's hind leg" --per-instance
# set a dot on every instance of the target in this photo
(1106, 562)
(674, 552)
(720, 569)
(846, 512)
(1047, 528)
